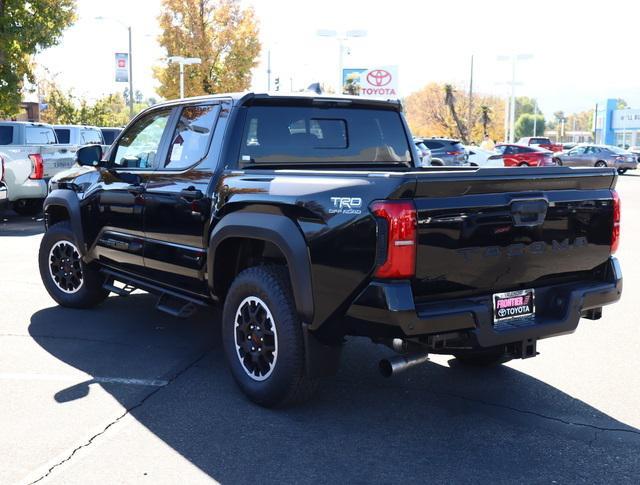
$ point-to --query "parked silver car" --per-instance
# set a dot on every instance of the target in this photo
(587, 155)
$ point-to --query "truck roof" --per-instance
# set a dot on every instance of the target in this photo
(302, 98)
(24, 123)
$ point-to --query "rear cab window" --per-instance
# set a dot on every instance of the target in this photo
(40, 135)
(90, 137)
(192, 135)
(64, 135)
(315, 135)
(6, 135)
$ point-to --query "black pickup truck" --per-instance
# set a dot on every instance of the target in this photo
(305, 219)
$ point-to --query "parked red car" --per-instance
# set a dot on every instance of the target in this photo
(522, 156)
(540, 142)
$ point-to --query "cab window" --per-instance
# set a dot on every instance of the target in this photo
(191, 138)
(138, 146)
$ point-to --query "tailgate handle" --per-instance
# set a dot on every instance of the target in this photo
(529, 213)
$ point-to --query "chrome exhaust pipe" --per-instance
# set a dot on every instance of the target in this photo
(399, 363)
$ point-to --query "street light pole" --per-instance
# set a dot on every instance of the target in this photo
(182, 61)
(512, 112)
(130, 75)
(341, 45)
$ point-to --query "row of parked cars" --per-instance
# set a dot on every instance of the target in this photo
(529, 152)
(32, 153)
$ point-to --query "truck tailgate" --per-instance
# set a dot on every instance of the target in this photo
(57, 158)
(496, 230)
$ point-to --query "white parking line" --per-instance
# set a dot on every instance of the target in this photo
(81, 378)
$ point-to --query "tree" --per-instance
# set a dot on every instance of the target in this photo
(429, 115)
(524, 125)
(25, 29)
(486, 111)
(65, 108)
(450, 101)
(219, 32)
(524, 104)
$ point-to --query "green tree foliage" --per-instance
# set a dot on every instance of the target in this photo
(524, 105)
(219, 32)
(524, 125)
(66, 109)
(26, 27)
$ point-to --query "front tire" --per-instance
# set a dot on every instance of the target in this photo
(558, 162)
(67, 278)
(622, 171)
(262, 338)
(601, 164)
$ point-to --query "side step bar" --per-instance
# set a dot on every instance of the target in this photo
(171, 302)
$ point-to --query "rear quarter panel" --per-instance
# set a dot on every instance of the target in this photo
(331, 210)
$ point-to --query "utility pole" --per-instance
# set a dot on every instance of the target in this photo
(469, 127)
(535, 117)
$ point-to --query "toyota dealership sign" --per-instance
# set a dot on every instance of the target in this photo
(378, 82)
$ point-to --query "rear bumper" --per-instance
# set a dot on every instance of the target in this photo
(558, 311)
(30, 189)
(627, 165)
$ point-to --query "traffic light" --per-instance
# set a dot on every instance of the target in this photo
(277, 83)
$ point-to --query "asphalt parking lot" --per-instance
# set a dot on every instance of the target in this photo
(124, 394)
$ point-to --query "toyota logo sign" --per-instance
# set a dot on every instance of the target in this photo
(379, 77)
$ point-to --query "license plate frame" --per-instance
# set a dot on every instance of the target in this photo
(510, 305)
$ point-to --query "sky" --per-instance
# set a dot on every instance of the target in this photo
(582, 52)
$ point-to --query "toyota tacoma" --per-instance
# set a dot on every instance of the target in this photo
(306, 219)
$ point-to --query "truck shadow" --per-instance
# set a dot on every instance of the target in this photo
(11, 224)
(435, 423)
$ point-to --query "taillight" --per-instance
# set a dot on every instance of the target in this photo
(455, 153)
(398, 232)
(37, 167)
(615, 231)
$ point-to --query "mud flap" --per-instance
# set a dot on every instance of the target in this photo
(322, 360)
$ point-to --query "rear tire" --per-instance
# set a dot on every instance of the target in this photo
(622, 171)
(523, 164)
(69, 280)
(28, 207)
(262, 338)
(483, 358)
(601, 163)
(558, 162)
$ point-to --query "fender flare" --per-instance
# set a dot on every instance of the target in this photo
(69, 200)
(282, 232)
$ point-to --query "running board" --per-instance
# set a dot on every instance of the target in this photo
(171, 302)
(176, 307)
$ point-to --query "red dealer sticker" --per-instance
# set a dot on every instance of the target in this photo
(513, 304)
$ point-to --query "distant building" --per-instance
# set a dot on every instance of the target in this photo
(617, 126)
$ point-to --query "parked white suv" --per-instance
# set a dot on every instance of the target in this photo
(31, 155)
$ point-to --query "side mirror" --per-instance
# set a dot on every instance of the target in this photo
(89, 155)
(495, 157)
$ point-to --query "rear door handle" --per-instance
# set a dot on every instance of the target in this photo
(191, 193)
(136, 189)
